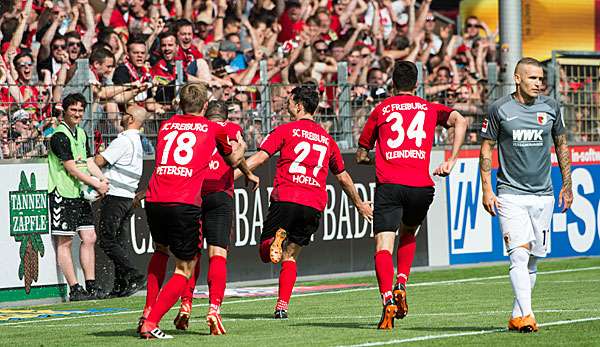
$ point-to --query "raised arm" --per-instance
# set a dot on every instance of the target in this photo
(348, 12)
(107, 12)
(90, 25)
(188, 10)
(44, 51)
(218, 28)
(178, 9)
(15, 42)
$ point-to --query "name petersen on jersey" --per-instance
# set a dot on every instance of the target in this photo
(414, 131)
(303, 148)
(185, 141)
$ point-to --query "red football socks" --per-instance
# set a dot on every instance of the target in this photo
(287, 279)
(384, 268)
(188, 293)
(156, 275)
(265, 250)
(168, 296)
(217, 279)
(405, 256)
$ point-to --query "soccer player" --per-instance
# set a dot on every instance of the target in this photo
(403, 127)
(525, 124)
(184, 150)
(307, 154)
(217, 214)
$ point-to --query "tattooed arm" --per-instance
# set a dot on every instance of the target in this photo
(565, 197)
(490, 202)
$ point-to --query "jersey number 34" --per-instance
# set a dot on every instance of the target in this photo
(415, 129)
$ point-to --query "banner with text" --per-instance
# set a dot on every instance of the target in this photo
(28, 259)
(474, 236)
(343, 242)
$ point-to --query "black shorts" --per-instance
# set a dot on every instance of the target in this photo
(217, 213)
(395, 201)
(299, 221)
(176, 226)
(69, 216)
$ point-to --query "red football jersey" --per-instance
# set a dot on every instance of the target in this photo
(307, 153)
(403, 127)
(220, 175)
(183, 152)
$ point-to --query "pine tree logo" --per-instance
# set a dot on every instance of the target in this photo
(28, 221)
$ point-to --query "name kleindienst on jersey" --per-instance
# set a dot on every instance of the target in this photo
(404, 153)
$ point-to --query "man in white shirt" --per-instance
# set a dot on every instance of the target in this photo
(122, 161)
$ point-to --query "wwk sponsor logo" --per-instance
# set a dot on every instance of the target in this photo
(527, 137)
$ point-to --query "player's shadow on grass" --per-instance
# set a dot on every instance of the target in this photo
(131, 333)
(248, 316)
(336, 325)
(461, 329)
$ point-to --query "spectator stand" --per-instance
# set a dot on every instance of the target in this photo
(576, 87)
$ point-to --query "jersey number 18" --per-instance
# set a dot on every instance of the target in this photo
(184, 152)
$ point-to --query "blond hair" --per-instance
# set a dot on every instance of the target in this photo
(527, 61)
(193, 97)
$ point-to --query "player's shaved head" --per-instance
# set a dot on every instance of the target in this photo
(528, 77)
(193, 98)
(526, 61)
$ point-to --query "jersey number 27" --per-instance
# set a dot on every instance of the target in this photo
(303, 149)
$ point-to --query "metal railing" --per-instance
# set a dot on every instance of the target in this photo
(343, 108)
(577, 89)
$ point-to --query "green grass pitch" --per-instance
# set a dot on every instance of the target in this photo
(458, 306)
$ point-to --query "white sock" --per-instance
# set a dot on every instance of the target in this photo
(516, 309)
(519, 278)
(532, 266)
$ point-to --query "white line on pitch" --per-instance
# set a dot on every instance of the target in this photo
(446, 282)
(319, 318)
(482, 332)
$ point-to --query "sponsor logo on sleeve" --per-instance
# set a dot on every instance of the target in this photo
(484, 126)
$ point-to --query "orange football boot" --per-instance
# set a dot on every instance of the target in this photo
(215, 323)
(387, 316)
(399, 294)
(277, 246)
(514, 323)
(528, 324)
(182, 321)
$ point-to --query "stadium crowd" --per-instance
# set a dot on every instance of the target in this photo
(132, 47)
